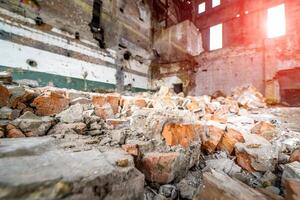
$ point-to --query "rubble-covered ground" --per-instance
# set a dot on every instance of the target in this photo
(67, 144)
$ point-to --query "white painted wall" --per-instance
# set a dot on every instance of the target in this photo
(15, 55)
(31, 33)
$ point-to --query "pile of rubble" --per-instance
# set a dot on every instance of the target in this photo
(183, 147)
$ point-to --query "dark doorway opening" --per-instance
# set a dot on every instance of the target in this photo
(289, 81)
(178, 87)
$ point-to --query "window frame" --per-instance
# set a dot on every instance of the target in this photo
(270, 23)
(213, 5)
(204, 7)
(214, 46)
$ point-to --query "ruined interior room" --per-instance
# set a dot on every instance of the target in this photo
(149, 99)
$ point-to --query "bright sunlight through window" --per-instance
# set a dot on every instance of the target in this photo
(216, 37)
(276, 23)
(201, 8)
(216, 3)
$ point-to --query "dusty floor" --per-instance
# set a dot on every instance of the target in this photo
(66, 144)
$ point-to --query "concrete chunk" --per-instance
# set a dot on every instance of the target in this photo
(220, 186)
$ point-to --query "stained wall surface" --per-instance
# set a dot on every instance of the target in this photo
(70, 62)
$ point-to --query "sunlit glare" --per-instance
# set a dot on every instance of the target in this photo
(216, 3)
(276, 23)
(216, 37)
(201, 8)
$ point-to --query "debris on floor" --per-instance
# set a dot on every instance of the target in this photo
(148, 146)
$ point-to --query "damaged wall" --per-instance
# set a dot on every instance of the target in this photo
(248, 56)
(228, 68)
(168, 74)
(76, 63)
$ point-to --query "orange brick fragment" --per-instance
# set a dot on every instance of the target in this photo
(4, 96)
(230, 138)
(15, 133)
(159, 167)
(211, 136)
(244, 160)
(115, 123)
(295, 156)
(141, 103)
(182, 134)
(292, 187)
(50, 103)
(132, 149)
(112, 100)
(264, 129)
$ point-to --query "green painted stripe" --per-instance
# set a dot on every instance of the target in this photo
(45, 79)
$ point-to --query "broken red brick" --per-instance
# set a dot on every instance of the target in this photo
(292, 187)
(192, 105)
(19, 100)
(132, 149)
(29, 134)
(219, 118)
(4, 96)
(112, 100)
(223, 110)
(10, 127)
(15, 133)
(98, 101)
(295, 156)
(211, 135)
(244, 160)
(159, 167)
(217, 185)
(50, 104)
(2, 133)
(182, 134)
(141, 103)
(115, 123)
(230, 138)
(264, 129)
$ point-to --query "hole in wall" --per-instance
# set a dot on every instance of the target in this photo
(39, 21)
(127, 55)
(178, 87)
(122, 46)
(31, 63)
(77, 35)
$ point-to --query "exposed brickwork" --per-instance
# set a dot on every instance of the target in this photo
(49, 104)
(4, 96)
(159, 167)
(230, 138)
(182, 134)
